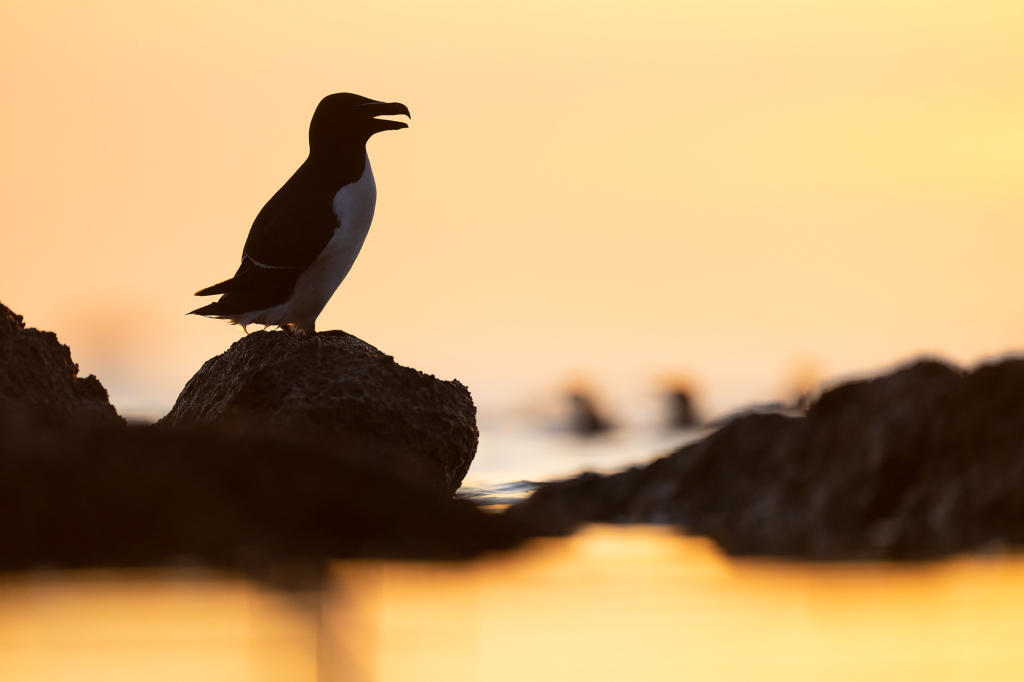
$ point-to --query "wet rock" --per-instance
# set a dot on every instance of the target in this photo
(336, 392)
(93, 496)
(38, 379)
(925, 462)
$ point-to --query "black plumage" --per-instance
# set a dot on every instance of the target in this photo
(292, 230)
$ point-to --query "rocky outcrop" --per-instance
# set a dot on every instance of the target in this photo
(281, 452)
(39, 381)
(336, 392)
(925, 462)
(94, 496)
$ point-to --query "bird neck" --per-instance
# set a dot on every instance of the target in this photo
(347, 160)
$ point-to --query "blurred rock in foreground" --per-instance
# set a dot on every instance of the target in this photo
(255, 489)
(87, 496)
(335, 391)
(925, 462)
(37, 377)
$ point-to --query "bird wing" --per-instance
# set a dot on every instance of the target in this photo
(287, 236)
(251, 276)
(297, 223)
(289, 233)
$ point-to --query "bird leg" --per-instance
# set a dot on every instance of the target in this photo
(297, 332)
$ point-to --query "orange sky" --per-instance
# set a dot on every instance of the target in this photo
(726, 189)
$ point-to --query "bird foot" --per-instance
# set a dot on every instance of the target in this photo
(298, 333)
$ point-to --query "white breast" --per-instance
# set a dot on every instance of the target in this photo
(353, 205)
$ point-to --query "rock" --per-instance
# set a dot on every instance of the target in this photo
(38, 379)
(135, 496)
(925, 462)
(238, 476)
(337, 392)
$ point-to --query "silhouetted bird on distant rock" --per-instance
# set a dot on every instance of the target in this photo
(585, 419)
(305, 240)
(682, 413)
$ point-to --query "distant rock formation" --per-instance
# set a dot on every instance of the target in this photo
(39, 381)
(279, 453)
(337, 392)
(925, 462)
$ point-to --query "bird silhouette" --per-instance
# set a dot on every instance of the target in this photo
(306, 238)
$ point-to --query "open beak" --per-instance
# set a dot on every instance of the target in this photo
(374, 109)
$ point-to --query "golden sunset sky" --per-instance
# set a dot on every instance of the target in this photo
(734, 190)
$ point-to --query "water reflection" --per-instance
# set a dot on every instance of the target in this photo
(611, 603)
(152, 625)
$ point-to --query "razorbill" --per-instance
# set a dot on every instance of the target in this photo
(305, 240)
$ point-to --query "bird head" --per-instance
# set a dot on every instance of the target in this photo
(343, 119)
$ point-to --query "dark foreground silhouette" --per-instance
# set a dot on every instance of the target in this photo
(231, 486)
(925, 462)
(285, 452)
(338, 392)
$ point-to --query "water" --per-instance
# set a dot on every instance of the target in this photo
(612, 603)
(515, 455)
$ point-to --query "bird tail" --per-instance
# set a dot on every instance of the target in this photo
(212, 310)
(255, 278)
(254, 289)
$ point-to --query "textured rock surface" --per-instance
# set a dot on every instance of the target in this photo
(338, 392)
(85, 495)
(39, 380)
(924, 462)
